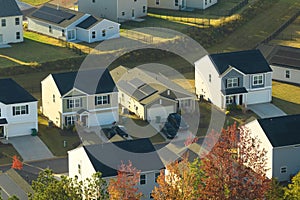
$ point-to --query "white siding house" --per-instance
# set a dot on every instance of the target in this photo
(241, 78)
(18, 110)
(181, 4)
(280, 137)
(78, 97)
(11, 22)
(70, 25)
(106, 158)
(115, 10)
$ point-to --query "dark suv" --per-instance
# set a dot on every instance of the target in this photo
(169, 131)
(177, 121)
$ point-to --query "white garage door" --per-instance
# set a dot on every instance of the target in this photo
(258, 97)
(20, 129)
(103, 118)
(161, 111)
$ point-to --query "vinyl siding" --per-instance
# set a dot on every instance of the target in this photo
(9, 31)
(280, 72)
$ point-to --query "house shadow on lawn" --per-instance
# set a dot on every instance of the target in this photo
(286, 106)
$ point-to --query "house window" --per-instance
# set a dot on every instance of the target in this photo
(50, 29)
(94, 34)
(209, 1)
(287, 74)
(144, 9)
(157, 2)
(53, 98)
(257, 79)
(20, 110)
(134, 0)
(283, 170)
(63, 33)
(229, 100)
(17, 21)
(209, 78)
(18, 35)
(0, 112)
(74, 103)
(123, 13)
(103, 33)
(70, 120)
(232, 82)
(156, 176)
(93, 1)
(205, 2)
(142, 179)
(79, 169)
(3, 22)
(176, 2)
(101, 100)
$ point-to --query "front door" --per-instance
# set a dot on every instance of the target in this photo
(241, 99)
(1, 38)
(71, 35)
(1, 131)
(84, 120)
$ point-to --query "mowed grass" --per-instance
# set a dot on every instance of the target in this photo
(286, 97)
(7, 151)
(258, 28)
(35, 2)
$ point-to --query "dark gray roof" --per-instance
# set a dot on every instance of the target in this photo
(248, 62)
(174, 95)
(106, 158)
(285, 57)
(88, 22)
(11, 92)
(3, 121)
(9, 8)
(283, 130)
(94, 81)
(239, 90)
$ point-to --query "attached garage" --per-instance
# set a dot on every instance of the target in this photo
(159, 111)
(262, 96)
(14, 130)
(103, 118)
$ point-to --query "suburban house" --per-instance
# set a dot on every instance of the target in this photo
(106, 158)
(115, 10)
(151, 95)
(241, 78)
(181, 4)
(88, 97)
(70, 25)
(280, 137)
(18, 110)
(11, 22)
(285, 64)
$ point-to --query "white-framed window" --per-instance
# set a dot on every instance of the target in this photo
(283, 170)
(229, 100)
(74, 103)
(94, 34)
(142, 179)
(209, 78)
(156, 175)
(70, 120)
(3, 22)
(205, 2)
(53, 98)
(93, 1)
(232, 82)
(157, 2)
(63, 33)
(258, 79)
(144, 9)
(18, 35)
(17, 21)
(287, 74)
(50, 29)
(123, 13)
(20, 110)
(101, 100)
(103, 33)
(176, 2)
(79, 169)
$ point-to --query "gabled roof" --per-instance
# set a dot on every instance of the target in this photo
(11, 92)
(9, 8)
(283, 130)
(173, 94)
(248, 62)
(140, 152)
(56, 15)
(285, 57)
(89, 22)
(94, 81)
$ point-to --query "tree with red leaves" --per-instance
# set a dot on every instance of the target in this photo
(16, 164)
(235, 166)
(124, 186)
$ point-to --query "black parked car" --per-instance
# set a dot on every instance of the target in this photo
(177, 121)
(169, 131)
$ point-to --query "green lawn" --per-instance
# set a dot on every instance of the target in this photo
(7, 151)
(35, 2)
(54, 138)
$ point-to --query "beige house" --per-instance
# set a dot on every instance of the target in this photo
(181, 4)
(115, 10)
(87, 97)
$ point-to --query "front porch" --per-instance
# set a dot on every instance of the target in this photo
(234, 96)
(3, 128)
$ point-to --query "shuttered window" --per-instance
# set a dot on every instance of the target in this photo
(20, 110)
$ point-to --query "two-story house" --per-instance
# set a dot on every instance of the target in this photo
(241, 78)
(106, 158)
(181, 4)
(70, 25)
(18, 110)
(115, 10)
(280, 137)
(11, 22)
(88, 97)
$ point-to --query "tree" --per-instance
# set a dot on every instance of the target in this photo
(235, 167)
(276, 191)
(178, 181)
(94, 188)
(292, 191)
(16, 164)
(124, 186)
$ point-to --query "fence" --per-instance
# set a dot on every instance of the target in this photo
(237, 7)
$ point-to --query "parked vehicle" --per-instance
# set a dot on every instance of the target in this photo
(169, 130)
(177, 121)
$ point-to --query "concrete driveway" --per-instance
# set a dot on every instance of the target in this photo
(266, 110)
(31, 148)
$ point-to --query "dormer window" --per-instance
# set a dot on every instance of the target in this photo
(232, 82)
(258, 79)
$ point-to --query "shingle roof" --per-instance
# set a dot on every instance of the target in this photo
(283, 130)
(11, 92)
(248, 62)
(173, 94)
(88, 22)
(95, 81)
(285, 57)
(9, 8)
(115, 153)
(239, 90)
(3, 121)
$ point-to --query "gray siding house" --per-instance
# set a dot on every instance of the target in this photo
(280, 137)
(181, 4)
(115, 10)
(241, 78)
